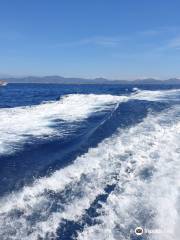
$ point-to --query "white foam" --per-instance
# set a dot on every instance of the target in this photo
(19, 124)
(135, 89)
(118, 159)
(157, 95)
(153, 144)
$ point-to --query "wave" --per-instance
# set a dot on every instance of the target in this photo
(148, 196)
(34, 161)
(158, 95)
(136, 160)
(20, 124)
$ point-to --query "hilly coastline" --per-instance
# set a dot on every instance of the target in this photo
(71, 80)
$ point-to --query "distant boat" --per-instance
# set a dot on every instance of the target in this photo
(3, 83)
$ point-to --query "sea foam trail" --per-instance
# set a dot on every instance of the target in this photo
(123, 159)
(28, 214)
(157, 95)
(19, 124)
(149, 195)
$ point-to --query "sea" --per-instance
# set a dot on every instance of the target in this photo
(89, 162)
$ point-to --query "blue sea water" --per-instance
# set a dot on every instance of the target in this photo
(89, 161)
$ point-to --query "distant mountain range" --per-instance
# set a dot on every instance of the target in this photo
(63, 80)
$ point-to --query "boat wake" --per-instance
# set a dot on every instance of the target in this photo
(129, 179)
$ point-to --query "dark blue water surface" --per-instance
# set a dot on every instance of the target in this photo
(29, 157)
(14, 95)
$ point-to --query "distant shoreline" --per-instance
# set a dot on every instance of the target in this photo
(100, 84)
(82, 81)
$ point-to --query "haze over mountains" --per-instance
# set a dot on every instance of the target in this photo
(71, 80)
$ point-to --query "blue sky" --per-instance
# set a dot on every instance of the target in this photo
(116, 39)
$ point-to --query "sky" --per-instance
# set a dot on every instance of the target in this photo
(115, 39)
